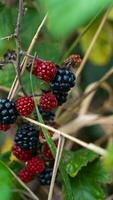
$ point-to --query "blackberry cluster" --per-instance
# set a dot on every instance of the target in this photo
(45, 177)
(27, 137)
(28, 145)
(8, 113)
(62, 83)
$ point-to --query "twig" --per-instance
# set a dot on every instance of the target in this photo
(110, 197)
(2, 63)
(18, 45)
(26, 54)
(56, 165)
(26, 59)
(25, 193)
(9, 37)
(89, 146)
(92, 43)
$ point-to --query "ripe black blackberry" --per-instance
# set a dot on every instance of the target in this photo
(8, 113)
(63, 81)
(60, 96)
(45, 176)
(27, 137)
(47, 116)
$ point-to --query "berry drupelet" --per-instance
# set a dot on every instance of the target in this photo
(63, 81)
(45, 70)
(22, 155)
(48, 102)
(8, 112)
(45, 177)
(27, 137)
(46, 151)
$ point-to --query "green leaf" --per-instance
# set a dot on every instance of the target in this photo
(7, 27)
(98, 172)
(79, 159)
(5, 183)
(88, 182)
(66, 16)
(16, 166)
(30, 22)
(7, 76)
(102, 50)
(5, 157)
(86, 189)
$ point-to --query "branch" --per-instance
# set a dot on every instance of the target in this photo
(18, 44)
(25, 60)
(89, 146)
(56, 165)
(9, 37)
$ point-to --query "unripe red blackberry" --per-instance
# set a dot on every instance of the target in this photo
(48, 102)
(27, 137)
(41, 134)
(36, 165)
(8, 113)
(45, 70)
(4, 127)
(46, 151)
(25, 106)
(73, 60)
(22, 155)
(25, 175)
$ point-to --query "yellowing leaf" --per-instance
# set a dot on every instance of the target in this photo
(110, 16)
(7, 145)
(102, 49)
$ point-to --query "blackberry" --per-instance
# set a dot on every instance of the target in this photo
(45, 176)
(48, 102)
(47, 116)
(8, 113)
(27, 137)
(63, 81)
(60, 96)
(44, 69)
